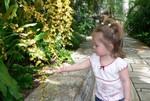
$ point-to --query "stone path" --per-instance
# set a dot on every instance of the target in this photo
(138, 57)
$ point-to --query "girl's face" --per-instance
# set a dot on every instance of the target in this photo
(99, 46)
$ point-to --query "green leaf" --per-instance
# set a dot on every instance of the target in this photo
(10, 11)
(9, 81)
(15, 9)
(6, 3)
(3, 88)
(40, 36)
(22, 45)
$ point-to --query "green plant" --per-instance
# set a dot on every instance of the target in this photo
(65, 56)
(138, 20)
(8, 54)
(83, 22)
(8, 86)
(24, 75)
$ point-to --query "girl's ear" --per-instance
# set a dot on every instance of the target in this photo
(111, 47)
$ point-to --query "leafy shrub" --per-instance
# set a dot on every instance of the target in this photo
(26, 74)
(83, 23)
(138, 20)
(34, 32)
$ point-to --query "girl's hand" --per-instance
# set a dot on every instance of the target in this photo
(74, 67)
(62, 68)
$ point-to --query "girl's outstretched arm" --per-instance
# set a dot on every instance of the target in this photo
(75, 67)
(126, 83)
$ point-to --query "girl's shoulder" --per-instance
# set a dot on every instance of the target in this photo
(94, 58)
(121, 63)
(120, 60)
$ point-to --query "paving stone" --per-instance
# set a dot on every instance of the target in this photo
(144, 96)
(139, 90)
(130, 50)
(147, 60)
(146, 90)
(141, 79)
(129, 60)
(139, 74)
(130, 68)
(140, 70)
(142, 86)
(145, 55)
(132, 56)
(134, 96)
(139, 61)
(144, 51)
(136, 44)
(140, 67)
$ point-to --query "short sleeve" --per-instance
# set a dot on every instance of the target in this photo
(121, 64)
(94, 59)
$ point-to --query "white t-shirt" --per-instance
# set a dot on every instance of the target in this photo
(108, 83)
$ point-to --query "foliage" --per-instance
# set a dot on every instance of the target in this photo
(138, 20)
(83, 22)
(9, 53)
(26, 74)
(35, 33)
(43, 39)
(8, 86)
(60, 24)
(92, 5)
(39, 35)
(118, 9)
(64, 56)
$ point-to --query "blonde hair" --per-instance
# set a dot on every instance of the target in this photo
(113, 33)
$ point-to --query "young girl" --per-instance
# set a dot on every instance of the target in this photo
(110, 70)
